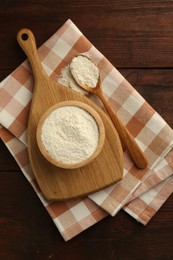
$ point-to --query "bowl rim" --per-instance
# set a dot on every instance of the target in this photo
(99, 123)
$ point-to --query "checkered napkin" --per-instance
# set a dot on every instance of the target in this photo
(141, 192)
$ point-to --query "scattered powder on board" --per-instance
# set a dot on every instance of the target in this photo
(67, 80)
(84, 71)
(70, 134)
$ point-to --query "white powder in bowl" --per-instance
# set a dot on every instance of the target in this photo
(70, 134)
(84, 71)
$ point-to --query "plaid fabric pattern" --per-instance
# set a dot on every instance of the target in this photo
(140, 190)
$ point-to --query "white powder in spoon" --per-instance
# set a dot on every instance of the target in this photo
(84, 71)
(70, 134)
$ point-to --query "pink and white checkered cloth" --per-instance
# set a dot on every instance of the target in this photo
(141, 192)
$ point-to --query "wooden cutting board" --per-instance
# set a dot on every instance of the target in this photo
(57, 183)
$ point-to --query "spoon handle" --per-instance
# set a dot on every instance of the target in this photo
(127, 139)
(27, 42)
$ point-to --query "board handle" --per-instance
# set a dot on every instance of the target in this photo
(27, 42)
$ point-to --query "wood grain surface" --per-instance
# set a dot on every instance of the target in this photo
(137, 37)
(64, 184)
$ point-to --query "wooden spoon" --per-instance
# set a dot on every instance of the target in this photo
(126, 138)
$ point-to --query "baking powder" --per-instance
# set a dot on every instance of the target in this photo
(70, 134)
(66, 79)
(84, 71)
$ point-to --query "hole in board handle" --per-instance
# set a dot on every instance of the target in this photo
(24, 36)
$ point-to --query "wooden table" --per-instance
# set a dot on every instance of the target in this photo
(137, 37)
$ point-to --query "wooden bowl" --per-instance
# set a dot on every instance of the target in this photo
(101, 131)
